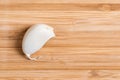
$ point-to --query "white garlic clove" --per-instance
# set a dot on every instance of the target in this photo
(35, 38)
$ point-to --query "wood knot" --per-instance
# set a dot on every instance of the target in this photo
(94, 73)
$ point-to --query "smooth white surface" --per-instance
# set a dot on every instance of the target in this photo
(35, 38)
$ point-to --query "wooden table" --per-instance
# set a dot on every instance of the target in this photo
(86, 46)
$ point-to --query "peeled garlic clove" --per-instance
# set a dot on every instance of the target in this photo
(35, 37)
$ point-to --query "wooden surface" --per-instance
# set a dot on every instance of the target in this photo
(86, 46)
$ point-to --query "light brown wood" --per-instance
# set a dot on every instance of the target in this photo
(86, 46)
(60, 1)
(60, 75)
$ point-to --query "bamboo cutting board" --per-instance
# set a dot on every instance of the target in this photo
(86, 46)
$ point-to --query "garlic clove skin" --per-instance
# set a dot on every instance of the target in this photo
(35, 38)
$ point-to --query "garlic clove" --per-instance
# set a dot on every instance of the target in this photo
(35, 38)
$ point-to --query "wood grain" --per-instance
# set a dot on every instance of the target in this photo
(60, 1)
(61, 75)
(86, 46)
(43, 74)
